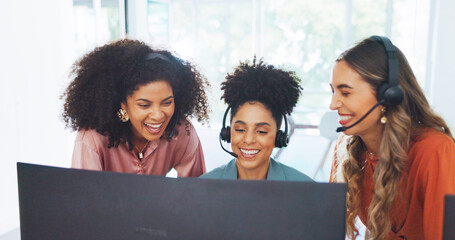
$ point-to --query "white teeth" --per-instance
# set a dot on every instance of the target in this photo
(153, 125)
(344, 118)
(249, 152)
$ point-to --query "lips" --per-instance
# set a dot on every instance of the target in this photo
(249, 153)
(153, 128)
(345, 119)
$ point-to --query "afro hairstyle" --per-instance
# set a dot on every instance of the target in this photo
(106, 76)
(277, 89)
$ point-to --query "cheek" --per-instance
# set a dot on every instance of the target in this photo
(235, 138)
(268, 142)
(170, 111)
(135, 113)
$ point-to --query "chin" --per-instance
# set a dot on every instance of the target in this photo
(152, 137)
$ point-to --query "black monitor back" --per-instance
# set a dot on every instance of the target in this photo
(449, 217)
(59, 203)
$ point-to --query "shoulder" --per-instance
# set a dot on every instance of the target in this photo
(223, 172)
(431, 138)
(431, 141)
(185, 131)
(291, 174)
(92, 138)
(185, 139)
(432, 148)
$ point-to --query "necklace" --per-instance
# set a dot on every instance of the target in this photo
(371, 155)
(140, 154)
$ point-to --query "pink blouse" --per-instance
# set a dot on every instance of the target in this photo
(183, 153)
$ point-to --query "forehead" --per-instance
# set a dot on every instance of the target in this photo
(253, 113)
(153, 90)
(344, 76)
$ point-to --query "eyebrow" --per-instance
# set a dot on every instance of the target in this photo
(342, 86)
(146, 100)
(257, 124)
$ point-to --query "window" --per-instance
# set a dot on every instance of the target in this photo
(300, 35)
(97, 22)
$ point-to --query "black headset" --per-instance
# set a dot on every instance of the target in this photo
(389, 93)
(281, 140)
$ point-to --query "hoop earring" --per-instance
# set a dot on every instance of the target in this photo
(383, 118)
(123, 115)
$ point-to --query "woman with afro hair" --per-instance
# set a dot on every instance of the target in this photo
(130, 105)
(259, 96)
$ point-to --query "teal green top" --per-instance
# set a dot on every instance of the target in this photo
(277, 171)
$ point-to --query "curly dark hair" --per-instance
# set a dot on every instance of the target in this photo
(277, 89)
(106, 76)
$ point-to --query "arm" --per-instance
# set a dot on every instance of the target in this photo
(84, 154)
(436, 179)
(191, 161)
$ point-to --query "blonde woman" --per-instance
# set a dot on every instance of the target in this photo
(396, 155)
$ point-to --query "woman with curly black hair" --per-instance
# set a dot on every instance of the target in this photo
(259, 96)
(130, 105)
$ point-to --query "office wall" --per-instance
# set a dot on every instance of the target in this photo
(34, 67)
(35, 56)
(443, 60)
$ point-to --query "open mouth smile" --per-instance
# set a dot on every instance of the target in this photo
(249, 153)
(154, 128)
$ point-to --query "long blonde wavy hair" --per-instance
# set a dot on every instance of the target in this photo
(404, 123)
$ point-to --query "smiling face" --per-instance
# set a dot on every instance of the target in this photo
(352, 98)
(253, 135)
(150, 109)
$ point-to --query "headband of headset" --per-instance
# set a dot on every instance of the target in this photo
(389, 93)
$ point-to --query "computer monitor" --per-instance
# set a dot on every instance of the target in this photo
(60, 203)
(449, 217)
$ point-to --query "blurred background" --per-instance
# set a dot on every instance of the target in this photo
(40, 40)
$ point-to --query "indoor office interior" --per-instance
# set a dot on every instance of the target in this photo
(42, 39)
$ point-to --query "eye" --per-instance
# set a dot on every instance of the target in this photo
(345, 94)
(144, 105)
(167, 103)
(239, 130)
(262, 132)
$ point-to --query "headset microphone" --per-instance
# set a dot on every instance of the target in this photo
(231, 153)
(342, 129)
(389, 93)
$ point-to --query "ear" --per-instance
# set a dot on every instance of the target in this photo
(123, 105)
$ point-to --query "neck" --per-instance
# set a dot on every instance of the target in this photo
(259, 173)
(373, 140)
(139, 142)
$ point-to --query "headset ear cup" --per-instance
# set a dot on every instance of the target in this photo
(225, 134)
(281, 140)
(390, 95)
(393, 96)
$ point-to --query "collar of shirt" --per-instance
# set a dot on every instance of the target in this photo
(275, 172)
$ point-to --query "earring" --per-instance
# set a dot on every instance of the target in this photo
(122, 115)
(383, 118)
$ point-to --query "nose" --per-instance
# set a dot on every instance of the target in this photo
(335, 103)
(249, 137)
(156, 114)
